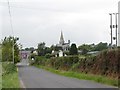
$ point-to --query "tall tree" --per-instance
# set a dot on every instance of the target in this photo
(73, 49)
(7, 49)
(41, 49)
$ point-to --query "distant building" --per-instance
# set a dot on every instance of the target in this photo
(35, 52)
(24, 54)
(119, 23)
(62, 44)
(93, 52)
(63, 47)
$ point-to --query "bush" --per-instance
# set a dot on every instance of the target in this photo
(64, 63)
(40, 60)
(48, 55)
(8, 68)
(107, 63)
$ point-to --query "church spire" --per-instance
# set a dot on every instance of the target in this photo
(61, 39)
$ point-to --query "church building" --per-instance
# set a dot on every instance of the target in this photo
(62, 44)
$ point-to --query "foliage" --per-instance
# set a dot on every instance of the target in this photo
(40, 60)
(41, 47)
(105, 63)
(9, 76)
(30, 49)
(7, 49)
(108, 63)
(57, 62)
(11, 82)
(85, 48)
(67, 52)
(48, 50)
(101, 46)
(8, 68)
(92, 47)
(0, 53)
(73, 49)
(56, 48)
(48, 55)
(43, 50)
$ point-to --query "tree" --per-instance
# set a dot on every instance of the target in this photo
(56, 48)
(73, 49)
(41, 49)
(48, 50)
(101, 46)
(26, 49)
(85, 48)
(7, 49)
(29, 49)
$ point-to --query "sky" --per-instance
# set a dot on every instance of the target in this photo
(35, 21)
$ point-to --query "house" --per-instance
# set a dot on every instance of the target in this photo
(35, 52)
(59, 53)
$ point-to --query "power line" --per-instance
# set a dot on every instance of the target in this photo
(29, 7)
(10, 17)
(21, 6)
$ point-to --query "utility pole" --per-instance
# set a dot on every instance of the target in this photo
(111, 26)
(12, 30)
(116, 27)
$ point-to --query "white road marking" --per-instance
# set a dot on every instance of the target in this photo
(23, 86)
(21, 82)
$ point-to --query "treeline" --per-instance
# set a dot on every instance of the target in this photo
(83, 49)
(9, 47)
(92, 47)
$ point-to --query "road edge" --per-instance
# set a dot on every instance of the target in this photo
(21, 82)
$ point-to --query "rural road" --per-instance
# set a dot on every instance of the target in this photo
(32, 77)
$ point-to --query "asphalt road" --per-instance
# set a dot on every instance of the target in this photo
(32, 77)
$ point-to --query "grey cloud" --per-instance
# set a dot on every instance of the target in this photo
(82, 21)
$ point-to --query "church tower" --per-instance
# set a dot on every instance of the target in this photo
(61, 39)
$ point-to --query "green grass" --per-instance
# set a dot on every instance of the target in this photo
(0, 75)
(9, 76)
(10, 81)
(0, 68)
(96, 78)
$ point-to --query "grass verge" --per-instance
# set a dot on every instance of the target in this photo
(96, 78)
(9, 76)
(10, 81)
(0, 76)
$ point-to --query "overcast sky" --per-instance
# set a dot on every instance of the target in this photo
(34, 21)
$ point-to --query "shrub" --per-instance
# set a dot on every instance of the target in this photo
(8, 68)
(48, 55)
(106, 63)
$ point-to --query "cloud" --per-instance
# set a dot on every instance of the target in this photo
(34, 21)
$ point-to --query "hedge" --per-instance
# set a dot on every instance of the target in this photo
(106, 63)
